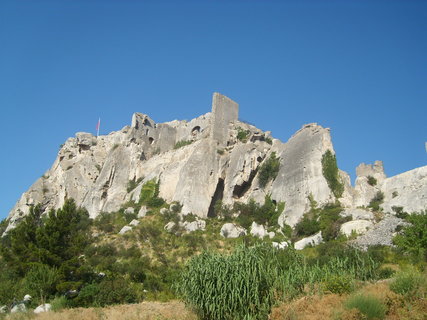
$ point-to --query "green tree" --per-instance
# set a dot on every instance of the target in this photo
(413, 238)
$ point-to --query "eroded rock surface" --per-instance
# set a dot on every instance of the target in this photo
(213, 164)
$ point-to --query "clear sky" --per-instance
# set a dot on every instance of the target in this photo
(357, 67)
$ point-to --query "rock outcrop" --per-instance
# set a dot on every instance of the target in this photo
(202, 161)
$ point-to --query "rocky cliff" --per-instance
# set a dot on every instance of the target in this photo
(210, 158)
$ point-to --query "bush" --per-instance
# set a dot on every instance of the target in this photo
(59, 303)
(338, 284)
(368, 305)
(242, 134)
(407, 282)
(267, 214)
(237, 286)
(413, 238)
(307, 226)
(376, 201)
(150, 194)
(330, 172)
(269, 170)
(372, 181)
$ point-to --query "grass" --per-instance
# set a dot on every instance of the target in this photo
(408, 282)
(142, 311)
(368, 305)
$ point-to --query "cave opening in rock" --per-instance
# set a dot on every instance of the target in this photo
(240, 190)
(217, 196)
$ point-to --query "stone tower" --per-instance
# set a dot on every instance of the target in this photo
(224, 112)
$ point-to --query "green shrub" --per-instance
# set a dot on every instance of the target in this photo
(267, 214)
(242, 134)
(407, 282)
(370, 306)
(385, 273)
(109, 291)
(331, 174)
(237, 286)
(269, 140)
(40, 281)
(376, 201)
(268, 170)
(307, 226)
(339, 284)
(182, 143)
(59, 303)
(150, 194)
(372, 181)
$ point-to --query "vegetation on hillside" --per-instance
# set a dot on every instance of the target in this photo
(331, 174)
(268, 170)
(68, 259)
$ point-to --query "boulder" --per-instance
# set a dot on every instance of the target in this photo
(194, 225)
(258, 230)
(129, 210)
(125, 229)
(358, 226)
(169, 226)
(142, 212)
(280, 245)
(134, 223)
(20, 307)
(313, 240)
(3, 309)
(27, 298)
(43, 308)
(230, 230)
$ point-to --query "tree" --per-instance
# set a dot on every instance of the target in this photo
(413, 238)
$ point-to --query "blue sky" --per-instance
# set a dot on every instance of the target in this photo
(358, 67)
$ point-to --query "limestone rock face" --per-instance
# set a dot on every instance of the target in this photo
(301, 172)
(363, 191)
(104, 173)
(358, 214)
(407, 190)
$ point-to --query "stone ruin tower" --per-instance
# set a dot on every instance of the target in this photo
(224, 112)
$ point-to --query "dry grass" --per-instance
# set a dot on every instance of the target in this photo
(330, 306)
(173, 310)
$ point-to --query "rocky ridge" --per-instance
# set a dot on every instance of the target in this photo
(210, 158)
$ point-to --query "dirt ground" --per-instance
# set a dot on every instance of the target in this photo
(173, 310)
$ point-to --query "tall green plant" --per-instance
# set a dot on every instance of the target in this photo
(236, 286)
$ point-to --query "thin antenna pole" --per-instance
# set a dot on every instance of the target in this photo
(97, 127)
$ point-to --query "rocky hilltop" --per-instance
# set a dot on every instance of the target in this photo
(210, 158)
